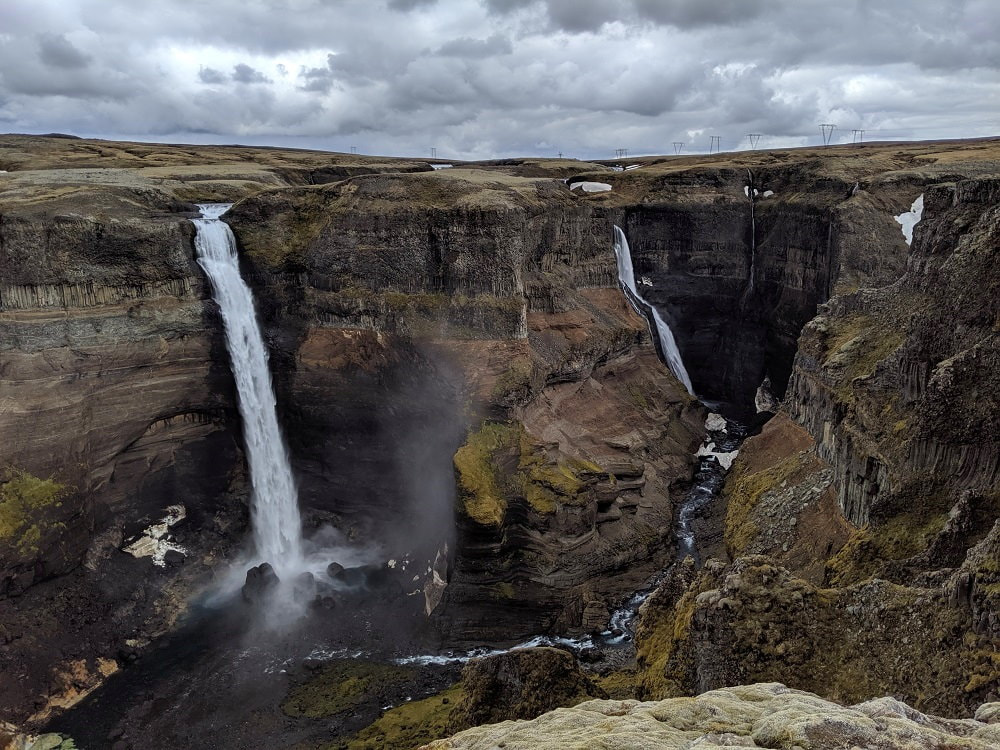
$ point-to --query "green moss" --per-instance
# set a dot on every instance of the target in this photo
(658, 640)
(409, 725)
(500, 463)
(24, 502)
(869, 548)
(857, 345)
(340, 686)
(743, 492)
(479, 477)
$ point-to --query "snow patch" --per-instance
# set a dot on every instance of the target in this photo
(767, 194)
(632, 166)
(725, 459)
(908, 219)
(155, 541)
(715, 423)
(591, 187)
(441, 166)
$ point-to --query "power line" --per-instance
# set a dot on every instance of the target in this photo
(754, 139)
(678, 146)
(827, 129)
(715, 143)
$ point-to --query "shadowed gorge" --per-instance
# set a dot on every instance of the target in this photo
(488, 449)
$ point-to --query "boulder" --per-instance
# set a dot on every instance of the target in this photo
(261, 581)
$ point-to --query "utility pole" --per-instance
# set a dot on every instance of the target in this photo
(678, 147)
(754, 139)
(827, 129)
(857, 135)
(715, 144)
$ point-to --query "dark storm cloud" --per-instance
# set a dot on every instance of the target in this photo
(58, 52)
(499, 76)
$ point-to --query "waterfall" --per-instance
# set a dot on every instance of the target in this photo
(277, 528)
(668, 345)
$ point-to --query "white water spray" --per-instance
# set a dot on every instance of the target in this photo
(626, 275)
(277, 527)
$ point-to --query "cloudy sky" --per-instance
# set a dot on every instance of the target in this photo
(487, 78)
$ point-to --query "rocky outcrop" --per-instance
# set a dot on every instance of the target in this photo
(766, 715)
(520, 684)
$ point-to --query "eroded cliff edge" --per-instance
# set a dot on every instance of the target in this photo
(863, 520)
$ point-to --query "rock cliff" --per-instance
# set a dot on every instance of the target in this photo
(876, 489)
(764, 715)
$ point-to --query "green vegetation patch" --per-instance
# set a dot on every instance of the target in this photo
(340, 686)
(743, 492)
(408, 726)
(25, 500)
(500, 463)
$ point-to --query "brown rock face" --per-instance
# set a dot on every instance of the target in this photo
(478, 290)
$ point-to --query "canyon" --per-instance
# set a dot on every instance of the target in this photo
(473, 407)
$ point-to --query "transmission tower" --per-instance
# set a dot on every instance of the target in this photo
(678, 146)
(857, 135)
(434, 152)
(754, 139)
(715, 144)
(354, 149)
(827, 129)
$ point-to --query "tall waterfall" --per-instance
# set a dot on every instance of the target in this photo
(277, 527)
(668, 345)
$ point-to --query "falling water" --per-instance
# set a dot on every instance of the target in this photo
(668, 344)
(277, 528)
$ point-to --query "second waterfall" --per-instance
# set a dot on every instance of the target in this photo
(277, 526)
(668, 344)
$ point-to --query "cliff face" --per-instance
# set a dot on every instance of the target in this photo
(499, 295)
(455, 364)
(880, 482)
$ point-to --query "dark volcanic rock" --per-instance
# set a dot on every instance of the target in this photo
(261, 581)
(521, 684)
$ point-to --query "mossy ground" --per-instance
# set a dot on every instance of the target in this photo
(340, 686)
(744, 490)
(408, 726)
(501, 463)
(25, 500)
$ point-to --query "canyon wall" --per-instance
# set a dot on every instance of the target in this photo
(875, 491)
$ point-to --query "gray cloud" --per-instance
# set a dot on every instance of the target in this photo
(211, 75)
(58, 52)
(496, 44)
(243, 73)
(499, 77)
